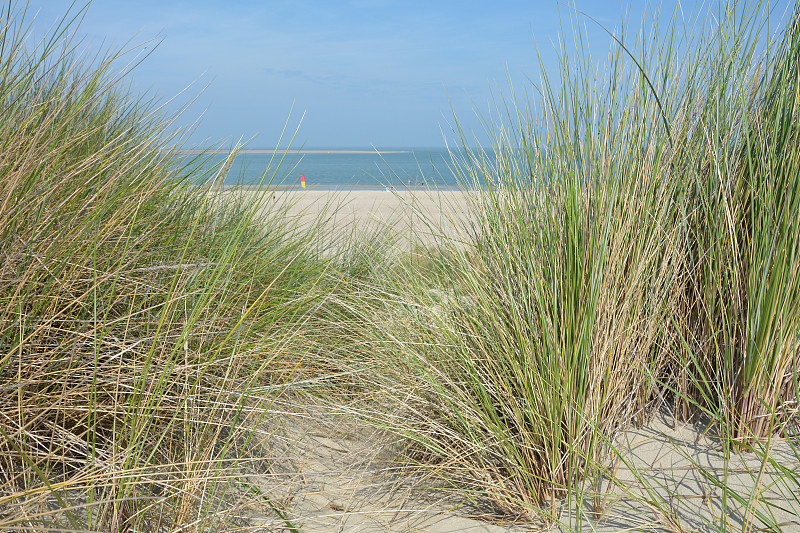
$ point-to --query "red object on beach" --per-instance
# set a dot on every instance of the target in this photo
(302, 181)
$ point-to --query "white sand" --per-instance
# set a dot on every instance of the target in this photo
(340, 477)
(411, 216)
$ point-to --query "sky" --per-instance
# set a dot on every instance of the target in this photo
(345, 73)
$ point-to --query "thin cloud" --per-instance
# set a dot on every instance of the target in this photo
(302, 75)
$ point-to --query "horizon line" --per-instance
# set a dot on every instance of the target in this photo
(194, 151)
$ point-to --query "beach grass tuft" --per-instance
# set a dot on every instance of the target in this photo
(632, 249)
(141, 310)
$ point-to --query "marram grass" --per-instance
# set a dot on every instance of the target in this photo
(633, 247)
(136, 312)
(744, 291)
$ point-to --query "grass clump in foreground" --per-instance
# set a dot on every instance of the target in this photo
(136, 315)
(634, 248)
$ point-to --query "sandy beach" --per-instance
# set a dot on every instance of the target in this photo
(409, 215)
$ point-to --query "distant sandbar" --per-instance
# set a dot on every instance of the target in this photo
(225, 152)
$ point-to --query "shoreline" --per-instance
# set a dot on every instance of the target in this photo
(281, 152)
(345, 188)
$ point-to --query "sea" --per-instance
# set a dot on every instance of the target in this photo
(332, 169)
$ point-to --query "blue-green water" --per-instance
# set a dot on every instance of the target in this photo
(330, 170)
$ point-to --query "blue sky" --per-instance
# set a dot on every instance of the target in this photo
(377, 73)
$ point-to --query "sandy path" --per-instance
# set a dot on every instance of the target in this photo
(340, 476)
